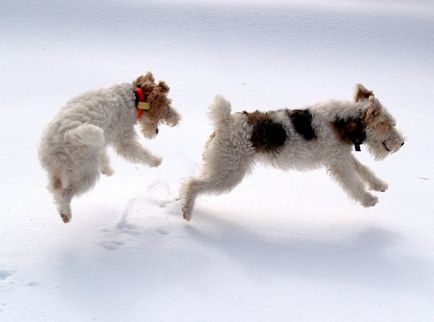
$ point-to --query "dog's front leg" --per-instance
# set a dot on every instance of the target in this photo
(369, 177)
(345, 174)
(128, 146)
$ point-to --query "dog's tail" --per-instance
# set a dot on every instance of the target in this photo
(86, 135)
(220, 110)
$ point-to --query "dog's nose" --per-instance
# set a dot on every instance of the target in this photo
(402, 143)
(156, 131)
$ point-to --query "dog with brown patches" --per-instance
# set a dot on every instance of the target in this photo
(73, 146)
(322, 135)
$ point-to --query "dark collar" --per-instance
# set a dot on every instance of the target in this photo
(359, 134)
(350, 130)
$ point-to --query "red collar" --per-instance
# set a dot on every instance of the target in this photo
(141, 104)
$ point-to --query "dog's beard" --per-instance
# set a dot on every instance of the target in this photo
(382, 148)
(378, 150)
(149, 129)
(381, 144)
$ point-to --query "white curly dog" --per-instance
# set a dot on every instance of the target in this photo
(320, 135)
(73, 146)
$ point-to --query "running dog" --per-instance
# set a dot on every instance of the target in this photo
(323, 134)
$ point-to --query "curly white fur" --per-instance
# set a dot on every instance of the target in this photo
(73, 146)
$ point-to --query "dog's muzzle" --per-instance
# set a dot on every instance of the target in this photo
(385, 146)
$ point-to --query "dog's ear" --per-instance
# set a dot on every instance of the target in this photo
(361, 93)
(163, 87)
(149, 77)
(144, 79)
(373, 109)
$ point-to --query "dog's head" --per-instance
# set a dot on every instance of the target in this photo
(382, 137)
(160, 110)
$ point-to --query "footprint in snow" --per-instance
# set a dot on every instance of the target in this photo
(4, 275)
(159, 189)
(161, 194)
(165, 203)
(113, 245)
(162, 231)
(174, 207)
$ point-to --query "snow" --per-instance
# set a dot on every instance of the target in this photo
(283, 246)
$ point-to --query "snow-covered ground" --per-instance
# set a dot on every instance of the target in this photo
(283, 246)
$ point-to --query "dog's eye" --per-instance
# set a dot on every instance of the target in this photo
(383, 126)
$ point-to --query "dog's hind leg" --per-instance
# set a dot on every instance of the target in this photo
(369, 177)
(228, 157)
(223, 179)
(188, 194)
(84, 145)
(62, 196)
(104, 163)
(75, 183)
(345, 173)
(63, 203)
(55, 180)
(196, 186)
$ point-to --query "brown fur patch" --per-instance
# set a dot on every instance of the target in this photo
(155, 95)
(147, 78)
(350, 130)
(57, 183)
(371, 111)
(163, 87)
(382, 127)
(256, 116)
(267, 136)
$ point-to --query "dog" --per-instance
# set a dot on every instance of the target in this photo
(302, 139)
(73, 146)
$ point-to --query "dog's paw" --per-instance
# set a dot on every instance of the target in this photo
(65, 217)
(379, 186)
(186, 214)
(369, 200)
(64, 211)
(155, 162)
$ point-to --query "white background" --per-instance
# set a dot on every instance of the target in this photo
(283, 246)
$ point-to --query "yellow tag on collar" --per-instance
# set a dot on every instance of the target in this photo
(144, 106)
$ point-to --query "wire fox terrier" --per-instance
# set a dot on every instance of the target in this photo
(73, 147)
(320, 135)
